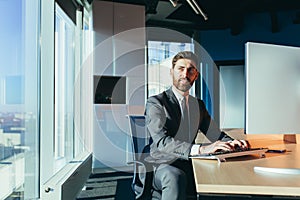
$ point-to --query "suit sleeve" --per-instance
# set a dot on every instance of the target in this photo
(209, 127)
(163, 142)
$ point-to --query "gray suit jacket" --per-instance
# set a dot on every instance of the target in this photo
(163, 117)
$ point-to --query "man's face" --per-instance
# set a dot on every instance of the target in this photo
(184, 74)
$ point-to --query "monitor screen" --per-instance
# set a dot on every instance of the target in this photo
(272, 89)
(109, 90)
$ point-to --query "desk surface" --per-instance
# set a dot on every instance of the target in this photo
(237, 175)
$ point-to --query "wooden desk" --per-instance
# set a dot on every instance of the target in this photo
(237, 175)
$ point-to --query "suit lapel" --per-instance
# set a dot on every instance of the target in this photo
(173, 107)
(194, 116)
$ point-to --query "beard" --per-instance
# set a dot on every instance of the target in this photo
(183, 84)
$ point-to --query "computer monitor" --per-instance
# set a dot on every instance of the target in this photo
(272, 89)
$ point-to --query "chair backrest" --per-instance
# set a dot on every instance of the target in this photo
(143, 172)
(139, 136)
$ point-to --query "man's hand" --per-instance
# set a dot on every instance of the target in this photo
(224, 146)
(243, 144)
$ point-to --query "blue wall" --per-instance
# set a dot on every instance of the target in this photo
(222, 45)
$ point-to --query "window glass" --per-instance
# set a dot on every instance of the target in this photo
(232, 96)
(19, 99)
(64, 88)
(160, 56)
(83, 71)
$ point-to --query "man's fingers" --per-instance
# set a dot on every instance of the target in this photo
(240, 144)
(244, 143)
(223, 146)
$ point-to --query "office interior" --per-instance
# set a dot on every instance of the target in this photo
(53, 121)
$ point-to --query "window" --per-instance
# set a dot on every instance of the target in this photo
(14, 90)
(64, 87)
(232, 96)
(82, 118)
(160, 56)
(19, 99)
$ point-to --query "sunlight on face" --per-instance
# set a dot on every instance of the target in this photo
(184, 74)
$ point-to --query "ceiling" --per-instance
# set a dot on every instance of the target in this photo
(227, 14)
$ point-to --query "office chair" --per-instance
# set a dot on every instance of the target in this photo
(143, 171)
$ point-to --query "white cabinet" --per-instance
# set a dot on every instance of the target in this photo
(119, 50)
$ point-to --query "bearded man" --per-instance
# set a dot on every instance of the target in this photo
(173, 119)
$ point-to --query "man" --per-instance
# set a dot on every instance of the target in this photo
(173, 119)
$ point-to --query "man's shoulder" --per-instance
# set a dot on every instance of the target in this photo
(159, 96)
(193, 98)
(156, 99)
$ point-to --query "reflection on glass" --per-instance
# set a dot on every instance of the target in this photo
(19, 102)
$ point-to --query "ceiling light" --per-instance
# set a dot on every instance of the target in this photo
(174, 2)
(197, 8)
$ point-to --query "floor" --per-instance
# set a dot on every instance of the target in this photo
(117, 186)
(108, 186)
(111, 185)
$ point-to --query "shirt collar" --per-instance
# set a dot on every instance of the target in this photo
(178, 96)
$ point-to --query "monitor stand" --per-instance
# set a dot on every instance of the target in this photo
(292, 138)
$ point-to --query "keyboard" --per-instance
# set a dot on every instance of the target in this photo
(222, 155)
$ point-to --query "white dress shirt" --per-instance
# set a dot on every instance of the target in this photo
(195, 147)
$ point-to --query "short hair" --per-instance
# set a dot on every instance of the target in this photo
(185, 54)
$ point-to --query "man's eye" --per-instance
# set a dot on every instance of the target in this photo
(192, 70)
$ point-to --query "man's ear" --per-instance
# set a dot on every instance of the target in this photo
(197, 75)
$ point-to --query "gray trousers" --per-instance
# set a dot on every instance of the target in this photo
(175, 181)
